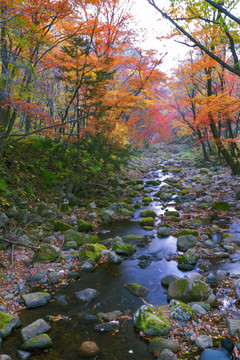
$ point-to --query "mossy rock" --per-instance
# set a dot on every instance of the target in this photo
(80, 238)
(151, 321)
(148, 213)
(187, 232)
(132, 237)
(220, 205)
(136, 289)
(152, 183)
(120, 247)
(148, 221)
(174, 219)
(180, 310)
(195, 223)
(61, 226)
(39, 342)
(188, 290)
(84, 226)
(171, 213)
(146, 200)
(137, 206)
(7, 324)
(127, 206)
(91, 251)
(187, 261)
(64, 207)
(47, 253)
(102, 203)
(126, 212)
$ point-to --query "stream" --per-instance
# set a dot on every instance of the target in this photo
(77, 321)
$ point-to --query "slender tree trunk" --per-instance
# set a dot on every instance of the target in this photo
(231, 162)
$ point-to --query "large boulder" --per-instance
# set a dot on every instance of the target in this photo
(47, 253)
(120, 247)
(185, 242)
(180, 310)
(7, 324)
(188, 290)
(80, 238)
(91, 251)
(151, 321)
(188, 260)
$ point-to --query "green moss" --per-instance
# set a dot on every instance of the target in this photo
(146, 200)
(187, 232)
(47, 253)
(151, 321)
(127, 206)
(61, 226)
(171, 213)
(152, 183)
(84, 226)
(148, 221)
(137, 206)
(148, 213)
(64, 207)
(220, 205)
(133, 237)
(91, 251)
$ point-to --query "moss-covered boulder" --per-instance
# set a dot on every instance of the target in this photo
(8, 323)
(188, 290)
(220, 205)
(146, 200)
(148, 213)
(39, 342)
(120, 247)
(195, 223)
(61, 226)
(151, 321)
(80, 238)
(174, 213)
(188, 260)
(180, 310)
(185, 242)
(47, 253)
(133, 238)
(152, 183)
(136, 289)
(91, 251)
(148, 221)
(187, 232)
(84, 226)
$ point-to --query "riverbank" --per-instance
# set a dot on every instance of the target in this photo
(204, 200)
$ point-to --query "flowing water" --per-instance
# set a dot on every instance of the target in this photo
(77, 321)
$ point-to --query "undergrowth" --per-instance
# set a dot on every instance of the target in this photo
(39, 166)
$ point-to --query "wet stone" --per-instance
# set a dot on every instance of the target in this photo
(23, 355)
(36, 299)
(39, 326)
(39, 342)
(87, 295)
(110, 326)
